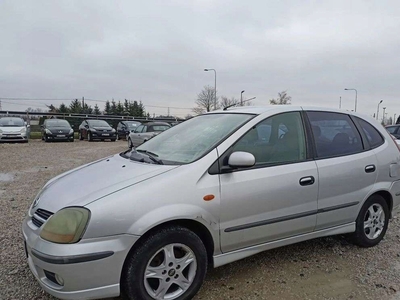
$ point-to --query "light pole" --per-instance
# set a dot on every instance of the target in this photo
(383, 118)
(377, 111)
(340, 102)
(215, 87)
(241, 98)
(394, 119)
(355, 105)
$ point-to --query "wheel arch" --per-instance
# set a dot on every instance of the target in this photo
(197, 227)
(388, 198)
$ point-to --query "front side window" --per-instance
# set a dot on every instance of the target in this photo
(139, 129)
(334, 134)
(391, 130)
(278, 139)
(374, 137)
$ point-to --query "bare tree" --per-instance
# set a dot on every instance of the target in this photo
(226, 102)
(206, 100)
(283, 98)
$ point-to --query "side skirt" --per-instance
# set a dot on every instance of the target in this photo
(226, 258)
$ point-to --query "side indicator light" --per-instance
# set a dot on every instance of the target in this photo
(208, 197)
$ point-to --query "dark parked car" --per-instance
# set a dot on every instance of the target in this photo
(394, 130)
(57, 130)
(125, 127)
(96, 130)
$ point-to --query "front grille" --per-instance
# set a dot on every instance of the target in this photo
(40, 216)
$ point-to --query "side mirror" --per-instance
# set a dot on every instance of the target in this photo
(86, 126)
(28, 126)
(241, 159)
(41, 126)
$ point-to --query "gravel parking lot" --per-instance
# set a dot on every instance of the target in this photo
(328, 268)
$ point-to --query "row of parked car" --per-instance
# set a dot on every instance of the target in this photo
(14, 129)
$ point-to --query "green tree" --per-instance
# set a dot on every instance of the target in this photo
(63, 108)
(75, 106)
(126, 105)
(120, 108)
(107, 109)
(96, 110)
(113, 109)
(283, 98)
(52, 108)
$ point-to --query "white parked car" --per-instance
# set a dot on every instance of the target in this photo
(13, 129)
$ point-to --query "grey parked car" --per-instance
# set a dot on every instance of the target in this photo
(215, 189)
(144, 132)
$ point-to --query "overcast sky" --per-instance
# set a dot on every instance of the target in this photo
(155, 51)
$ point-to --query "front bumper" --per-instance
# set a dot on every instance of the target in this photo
(104, 135)
(13, 137)
(60, 136)
(90, 269)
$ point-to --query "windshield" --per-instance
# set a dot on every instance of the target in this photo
(58, 123)
(193, 138)
(11, 122)
(132, 124)
(98, 123)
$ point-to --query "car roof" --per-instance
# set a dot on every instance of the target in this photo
(155, 123)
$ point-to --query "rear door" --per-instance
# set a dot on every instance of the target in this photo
(346, 168)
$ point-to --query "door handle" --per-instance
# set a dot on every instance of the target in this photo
(308, 180)
(370, 169)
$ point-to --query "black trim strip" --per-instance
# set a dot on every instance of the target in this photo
(73, 259)
(271, 221)
(290, 217)
(326, 209)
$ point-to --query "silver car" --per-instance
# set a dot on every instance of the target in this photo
(219, 187)
(13, 129)
(145, 132)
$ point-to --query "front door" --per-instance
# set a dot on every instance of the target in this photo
(275, 199)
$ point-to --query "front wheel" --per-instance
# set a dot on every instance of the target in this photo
(372, 222)
(170, 264)
(80, 136)
(89, 137)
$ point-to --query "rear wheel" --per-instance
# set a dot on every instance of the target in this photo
(80, 136)
(130, 145)
(46, 139)
(372, 222)
(170, 264)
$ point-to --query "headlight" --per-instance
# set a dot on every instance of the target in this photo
(71, 131)
(47, 131)
(23, 130)
(92, 129)
(113, 130)
(66, 226)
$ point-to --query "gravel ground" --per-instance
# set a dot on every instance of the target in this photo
(327, 268)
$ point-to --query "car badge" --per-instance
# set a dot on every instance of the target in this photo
(60, 131)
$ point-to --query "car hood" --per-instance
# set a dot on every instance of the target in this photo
(11, 129)
(94, 181)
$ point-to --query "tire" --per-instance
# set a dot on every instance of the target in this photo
(80, 136)
(130, 145)
(185, 245)
(89, 137)
(46, 139)
(117, 137)
(372, 222)
(113, 140)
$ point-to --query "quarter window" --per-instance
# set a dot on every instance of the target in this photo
(334, 134)
(373, 135)
(278, 139)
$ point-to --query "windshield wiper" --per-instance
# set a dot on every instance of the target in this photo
(151, 155)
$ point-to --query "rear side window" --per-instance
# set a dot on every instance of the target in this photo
(374, 137)
(334, 134)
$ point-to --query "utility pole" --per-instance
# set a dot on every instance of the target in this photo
(394, 117)
(0, 105)
(340, 102)
(83, 102)
(383, 119)
(168, 111)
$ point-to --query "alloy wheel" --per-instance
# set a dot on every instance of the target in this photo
(374, 221)
(170, 272)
